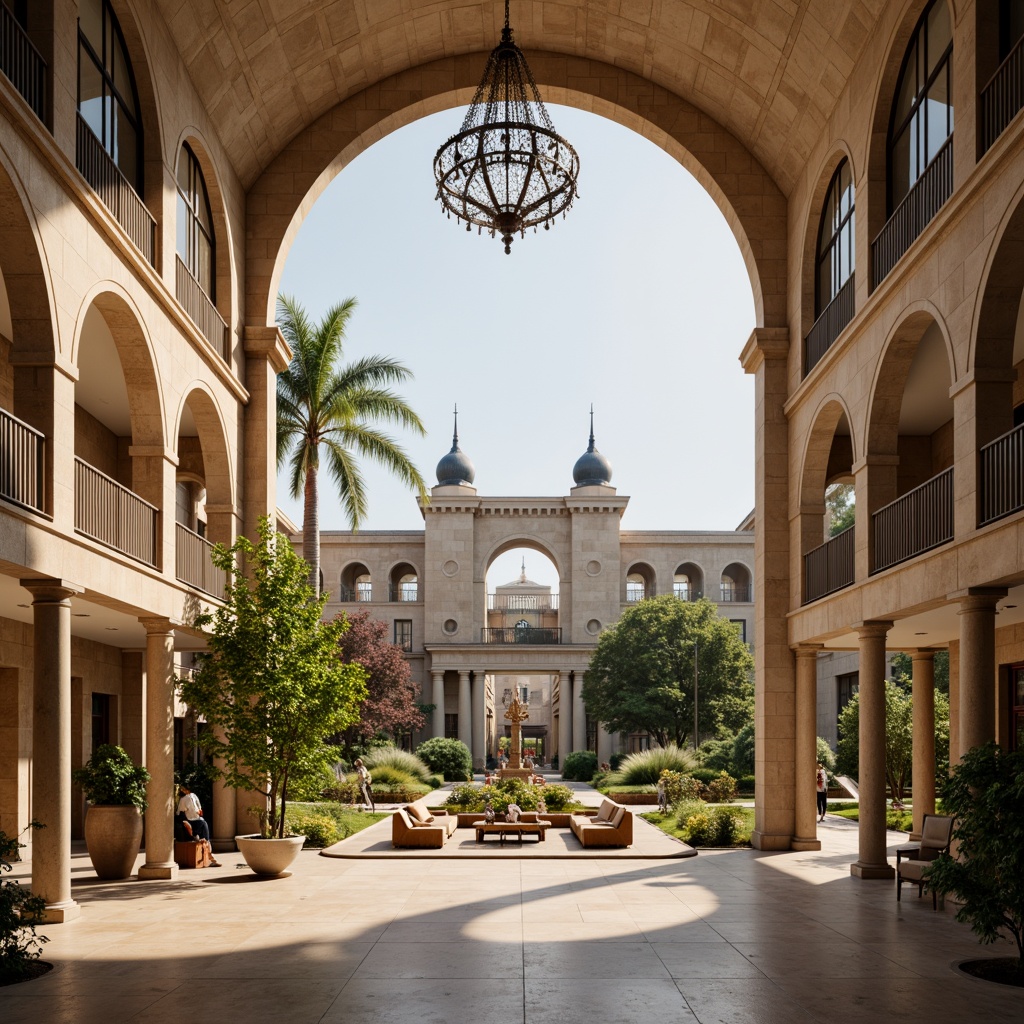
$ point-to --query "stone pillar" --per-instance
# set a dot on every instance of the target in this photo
(465, 710)
(604, 744)
(159, 750)
(978, 667)
(579, 716)
(766, 356)
(133, 705)
(479, 711)
(923, 691)
(872, 862)
(153, 478)
(51, 746)
(564, 716)
(437, 699)
(805, 746)
(225, 810)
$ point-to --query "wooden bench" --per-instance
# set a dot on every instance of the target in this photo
(504, 828)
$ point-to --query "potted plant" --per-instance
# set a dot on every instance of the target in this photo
(271, 686)
(115, 787)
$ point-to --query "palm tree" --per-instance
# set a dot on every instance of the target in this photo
(322, 404)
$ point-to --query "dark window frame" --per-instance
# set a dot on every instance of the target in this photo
(846, 226)
(195, 232)
(403, 638)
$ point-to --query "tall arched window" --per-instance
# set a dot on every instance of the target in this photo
(922, 112)
(107, 98)
(195, 224)
(835, 239)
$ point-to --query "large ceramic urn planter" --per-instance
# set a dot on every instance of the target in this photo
(269, 856)
(113, 834)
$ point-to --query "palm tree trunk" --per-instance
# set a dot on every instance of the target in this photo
(311, 529)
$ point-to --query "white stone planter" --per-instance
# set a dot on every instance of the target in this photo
(269, 856)
(112, 837)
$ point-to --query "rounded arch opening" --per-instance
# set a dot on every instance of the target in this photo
(640, 582)
(356, 583)
(404, 583)
(737, 584)
(521, 582)
(688, 581)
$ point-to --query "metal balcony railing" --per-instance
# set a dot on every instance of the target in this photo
(1002, 476)
(202, 312)
(520, 635)
(830, 567)
(731, 593)
(829, 325)
(362, 594)
(192, 562)
(22, 461)
(115, 191)
(522, 602)
(22, 63)
(919, 520)
(109, 513)
(404, 592)
(1003, 96)
(687, 592)
(912, 216)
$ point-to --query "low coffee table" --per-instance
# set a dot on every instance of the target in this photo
(506, 828)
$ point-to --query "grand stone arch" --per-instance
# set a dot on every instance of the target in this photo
(751, 202)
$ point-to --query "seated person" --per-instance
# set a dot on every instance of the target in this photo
(193, 822)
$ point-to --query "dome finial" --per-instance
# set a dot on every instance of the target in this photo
(522, 572)
(592, 469)
(591, 447)
(455, 469)
(455, 433)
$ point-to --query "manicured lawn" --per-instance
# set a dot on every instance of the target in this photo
(326, 823)
(897, 821)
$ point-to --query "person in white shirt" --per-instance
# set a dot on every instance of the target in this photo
(194, 823)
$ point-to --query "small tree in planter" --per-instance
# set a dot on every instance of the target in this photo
(272, 683)
(985, 796)
(19, 944)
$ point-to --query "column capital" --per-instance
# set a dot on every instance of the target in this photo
(268, 342)
(977, 598)
(157, 624)
(874, 459)
(764, 343)
(922, 654)
(51, 591)
(808, 650)
(872, 628)
(153, 451)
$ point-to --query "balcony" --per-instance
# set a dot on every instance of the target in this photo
(521, 635)
(404, 593)
(1002, 97)
(687, 593)
(829, 568)
(193, 565)
(913, 215)
(829, 325)
(916, 522)
(1002, 476)
(522, 602)
(361, 594)
(202, 312)
(22, 461)
(113, 515)
(113, 188)
(22, 63)
(730, 593)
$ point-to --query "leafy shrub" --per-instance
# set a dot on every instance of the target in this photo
(743, 751)
(110, 776)
(615, 760)
(19, 944)
(314, 786)
(579, 766)
(387, 779)
(698, 829)
(402, 760)
(718, 827)
(721, 789)
(320, 830)
(727, 825)
(826, 756)
(558, 798)
(746, 784)
(680, 787)
(717, 754)
(449, 758)
(704, 775)
(601, 779)
(684, 809)
(646, 766)
(471, 797)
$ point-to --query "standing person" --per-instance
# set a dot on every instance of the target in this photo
(662, 796)
(821, 780)
(194, 823)
(365, 783)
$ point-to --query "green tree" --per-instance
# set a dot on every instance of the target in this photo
(271, 682)
(324, 405)
(903, 666)
(841, 508)
(641, 676)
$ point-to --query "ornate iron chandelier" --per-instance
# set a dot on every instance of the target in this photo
(507, 169)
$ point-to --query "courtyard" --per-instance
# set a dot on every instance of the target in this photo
(726, 936)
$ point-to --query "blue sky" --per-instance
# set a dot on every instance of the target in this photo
(638, 302)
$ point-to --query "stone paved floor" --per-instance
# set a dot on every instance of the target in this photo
(730, 936)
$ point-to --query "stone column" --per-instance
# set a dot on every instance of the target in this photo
(977, 667)
(437, 699)
(479, 711)
(225, 810)
(465, 710)
(159, 750)
(604, 744)
(923, 690)
(872, 862)
(579, 716)
(564, 716)
(805, 746)
(51, 746)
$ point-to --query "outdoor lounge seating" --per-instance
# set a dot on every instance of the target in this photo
(936, 830)
(611, 826)
(413, 826)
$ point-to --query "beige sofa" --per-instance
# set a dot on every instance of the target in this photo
(413, 826)
(611, 826)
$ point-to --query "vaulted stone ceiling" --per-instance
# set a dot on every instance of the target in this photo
(768, 70)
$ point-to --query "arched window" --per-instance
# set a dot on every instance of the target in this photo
(107, 99)
(922, 112)
(195, 224)
(835, 239)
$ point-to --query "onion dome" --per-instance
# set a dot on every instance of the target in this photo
(592, 469)
(455, 469)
